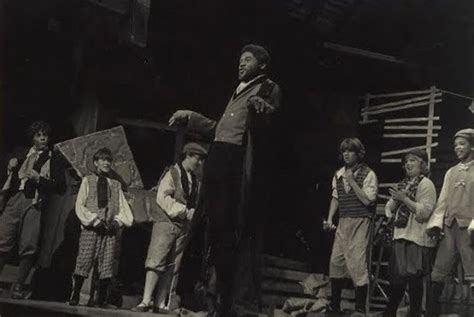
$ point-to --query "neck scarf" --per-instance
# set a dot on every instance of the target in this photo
(190, 194)
(102, 190)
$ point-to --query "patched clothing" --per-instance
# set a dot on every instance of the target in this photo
(92, 245)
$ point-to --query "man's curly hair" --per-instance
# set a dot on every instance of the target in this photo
(38, 126)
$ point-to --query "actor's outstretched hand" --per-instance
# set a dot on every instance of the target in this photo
(260, 105)
(180, 116)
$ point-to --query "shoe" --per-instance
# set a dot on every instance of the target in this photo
(164, 311)
(18, 292)
(142, 307)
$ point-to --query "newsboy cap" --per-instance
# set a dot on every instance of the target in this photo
(465, 133)
(195, 148)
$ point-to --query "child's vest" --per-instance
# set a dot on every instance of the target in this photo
(113, 207)
(349, 204)
(460, 198)
(179, 195)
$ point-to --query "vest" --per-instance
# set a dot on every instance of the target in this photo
(349, 204)
(113, 207)
(460, 193)
(179, 195)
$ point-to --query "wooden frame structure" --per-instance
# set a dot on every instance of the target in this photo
(408, 118)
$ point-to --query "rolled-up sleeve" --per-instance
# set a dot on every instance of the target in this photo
(425, 200)
(370, 186)
(334, 188)
(165, 199)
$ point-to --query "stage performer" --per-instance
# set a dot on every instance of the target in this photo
(102, 209)
(235, 160)
(454, 218)
(412, 203)
(31, 184)
(354, 191)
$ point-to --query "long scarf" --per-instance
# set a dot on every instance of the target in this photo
(190, 194)
(102, 190)
(410, 187)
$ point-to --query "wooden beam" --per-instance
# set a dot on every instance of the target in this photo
(399, 102)
(361, 52)
(418, 119)
(429, 139)
(399, 160)
(410, 127)
(399, 94)
(407, 135)
(412, 105)
(386, 185)
(406, 150)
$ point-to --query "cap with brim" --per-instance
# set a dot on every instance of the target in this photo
(419, 153)
(465, 133)
(195, 148)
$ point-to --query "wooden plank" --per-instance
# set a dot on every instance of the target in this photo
(274, 261)
(417, 119)
(368, 121)
(399, 160)
(398, 108)
(365, 117)
(361, 52)
(281, 274)
(429, 139)
(409, 135)
(410, 127)
(399, 102)
(387, 185)
(406, 150)
(399, 94)
(282, 287)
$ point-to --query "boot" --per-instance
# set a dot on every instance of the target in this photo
(433, 307)
(397, 291)
(336, 289)
(78, 281)
(102, 294)
(360, 298)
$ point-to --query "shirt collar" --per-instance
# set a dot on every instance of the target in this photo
(32, 151)
(465, 166)
(242, 84)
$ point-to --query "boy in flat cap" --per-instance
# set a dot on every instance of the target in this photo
(354, 194)
(454, 216)
(177, 195)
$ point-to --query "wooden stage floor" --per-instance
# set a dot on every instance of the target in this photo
(29, 308)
